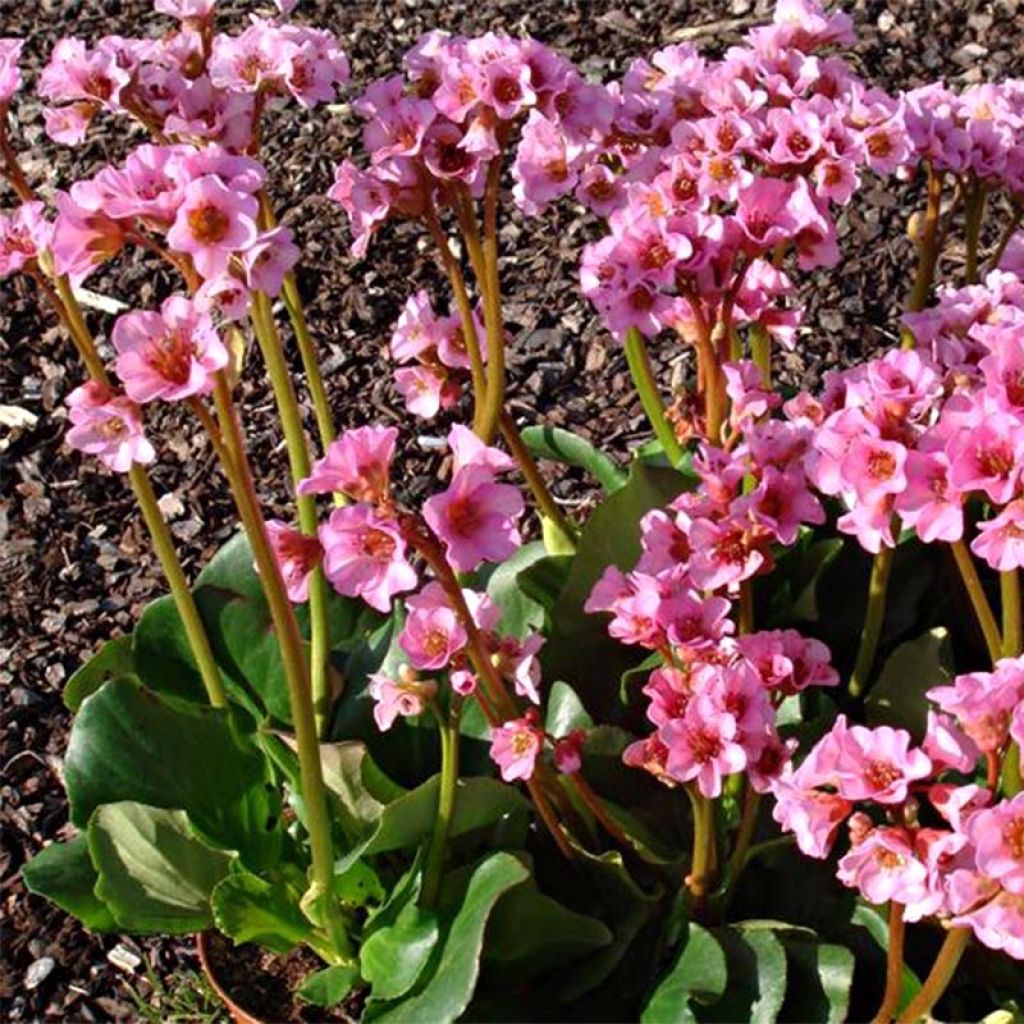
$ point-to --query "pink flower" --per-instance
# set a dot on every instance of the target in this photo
(702, 745)
(213, 222)
(432, 633)
(517, 661)
(812, 815)
(568, 752)
(83, 239)
(1000, 541)
(425, 391)
(998, 838)
(983, 702)
(874, 468)
(475, 518)
(787, 661)
(24, 234)
(998, 922)
(928, 503)
(171, 354)
(394, 698)
(108, 425)
(635, 603)
(515, 746)
(947, 746)
(10, 76)
(745, 388)
(417, 330)
(364, 556)
(723, 553)
(269, 259)
(884, 867)
(185, 9)
(543, 168)
(357, 464)
(297, 556)
(988, 457)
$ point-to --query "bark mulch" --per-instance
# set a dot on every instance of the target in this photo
(75, 568)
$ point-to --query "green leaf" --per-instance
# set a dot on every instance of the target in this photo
(163, 656)
(114, 658)
(328, 987)
(561, 445)
(580, 651)
(155, 874)
(449, 985)
(898, 695)
(756, 963)
(520, 613)
(405, 822)
(819, 975)
(807, 574)
(359, 886)
(874, 921)
(565, 711)
(699, 974)
(64, 874)
(530, 933)
(128, 743)
(393, 957)
(542, 581)
(252, 909)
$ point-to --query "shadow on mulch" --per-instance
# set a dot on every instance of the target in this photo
(74, 565)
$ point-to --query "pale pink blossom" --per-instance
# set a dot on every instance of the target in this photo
(397, 698)
(297, 555)
(357, 464)
(515, 746)
(107, 424)
(432, 633)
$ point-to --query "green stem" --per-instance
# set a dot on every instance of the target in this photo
(881, 570)
(163, 545)
(447, 793)
(974, 214)
(230, 446)
(650, 398)
(541, 494)
(700, 881)
(976, 592)
(70, 314)
(310, 363)
(941, 974)
(893, 966)
(298, 457)
(928, 253)
(491, 287)
(761, 352)
(1009, 585)
(1011, 779)
(746, 623)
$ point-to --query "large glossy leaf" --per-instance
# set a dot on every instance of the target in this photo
(249, 908)
(565, 711)
(405, 822)
(530, 933)
(819, 978)
(64, 874)
(113, 659)
(580, 651)
(155, 874)
(564, 446)
(451, 976)
(128, 743)
(756, 963)
(898, 695)
(520, 613)
(163, 656)
(393, 957)
(698, 975)
(330, 986)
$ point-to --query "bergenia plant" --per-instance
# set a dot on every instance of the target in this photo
(704, 752)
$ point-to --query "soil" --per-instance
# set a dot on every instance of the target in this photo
(74, 563)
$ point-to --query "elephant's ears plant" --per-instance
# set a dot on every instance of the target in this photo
(691, 757)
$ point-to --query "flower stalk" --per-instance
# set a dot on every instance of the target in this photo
(448, 727)
(939, 978)
(893, 966)
(650, 398)
(929, 247)
(874, 617)
(976, 592)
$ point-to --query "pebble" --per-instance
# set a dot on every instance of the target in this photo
(38, 971)
(123, 958)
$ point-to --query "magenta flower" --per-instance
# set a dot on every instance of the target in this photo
(213, 222)
(702, 745)
(364, 556)
(297, 555)
(476, 518)
(432, 633)
(812, 815)
(928, 503)
(404, 698)
(988, 456)
(998, 838)
(568, 753)
(169, 355)
(357, 464)
(1000, 541)
(268, 259)
(982, 702)
(107, 424)
(10, 76)
(515, 746)
(884, 867)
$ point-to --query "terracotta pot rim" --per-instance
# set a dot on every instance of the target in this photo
(238, 1014)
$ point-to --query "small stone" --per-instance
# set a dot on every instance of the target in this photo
(38, 971)
(123, 958)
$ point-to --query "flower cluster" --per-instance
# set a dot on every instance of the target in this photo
(433, 133)
(432, 357)
(713, 699)
(911, 437)
(192, 83)
(919, 835)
